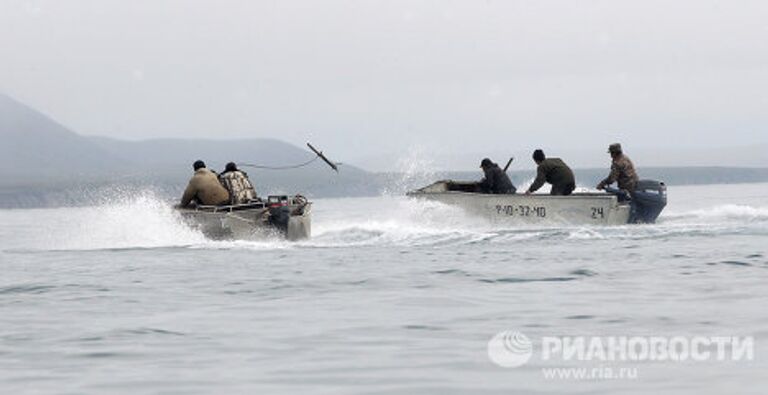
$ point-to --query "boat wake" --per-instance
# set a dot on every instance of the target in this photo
(147, 222)
(142, 221)
(722, 213)
(405, 222)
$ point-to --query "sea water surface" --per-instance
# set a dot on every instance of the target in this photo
(391, 295)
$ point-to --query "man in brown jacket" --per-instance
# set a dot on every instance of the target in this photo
(204, 188)
(622, 171)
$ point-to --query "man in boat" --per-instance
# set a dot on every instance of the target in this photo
(204, 188)
(622, 172)
(496, 180)
(237, 184)
(553, 171)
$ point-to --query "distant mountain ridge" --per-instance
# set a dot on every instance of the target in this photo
(34, 145)
(39, 155)
(42, 163)
(178, 152)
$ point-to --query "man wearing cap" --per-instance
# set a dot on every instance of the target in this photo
(553, 171)
(622, 171)
(204, 188)
(496, 180)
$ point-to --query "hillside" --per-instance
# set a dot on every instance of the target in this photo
(44, 163)
(36, 149)
(169, 162)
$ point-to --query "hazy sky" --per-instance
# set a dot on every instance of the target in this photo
(385, 79)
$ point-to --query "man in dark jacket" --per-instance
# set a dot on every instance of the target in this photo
(622, 171)
(553, 171)
(496, 180)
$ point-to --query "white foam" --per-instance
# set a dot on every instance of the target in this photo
(720, 213)
(393, 220)
(585, 234)
(250, 245)
(139, 219)
(415, 168)
(412, 222)
(133, 219)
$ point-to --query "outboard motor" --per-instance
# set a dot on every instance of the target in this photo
(649, 200)
(279, 212)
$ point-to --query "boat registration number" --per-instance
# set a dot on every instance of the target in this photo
(522, 211)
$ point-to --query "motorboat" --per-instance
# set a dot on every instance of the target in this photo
(288, 217)
(590, 208)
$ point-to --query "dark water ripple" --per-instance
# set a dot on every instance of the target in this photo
(26, 289)
(131, 333)
(100, 355)
(151, 331)
(580, 317)
(615, 321)
(526, 280)
(453, 271)
(424, 327)
(736, 263)
(584, 273)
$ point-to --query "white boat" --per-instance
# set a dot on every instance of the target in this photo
(575, 209)
(281, 216)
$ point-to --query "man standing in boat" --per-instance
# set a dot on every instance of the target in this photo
(553, 171)
(204, 188)
(496, 180)
(238, 185)
(622, 171)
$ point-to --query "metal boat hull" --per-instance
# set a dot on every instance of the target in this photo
(251, 221)
(576, 209)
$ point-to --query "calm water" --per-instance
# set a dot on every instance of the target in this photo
(390, 296)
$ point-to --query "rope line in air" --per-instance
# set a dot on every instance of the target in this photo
(279, 167)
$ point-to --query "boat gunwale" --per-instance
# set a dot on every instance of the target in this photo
(231, 208)
(574, 196)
